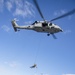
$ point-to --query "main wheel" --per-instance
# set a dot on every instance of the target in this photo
(48, 34)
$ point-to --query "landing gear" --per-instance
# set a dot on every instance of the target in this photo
(48, 34)
(18, 30)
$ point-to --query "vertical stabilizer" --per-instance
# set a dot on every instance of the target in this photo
(14, 24)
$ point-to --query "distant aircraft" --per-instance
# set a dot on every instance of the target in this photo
(34, 66)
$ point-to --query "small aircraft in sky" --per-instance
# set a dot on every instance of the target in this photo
(43, 26)
(34, 66)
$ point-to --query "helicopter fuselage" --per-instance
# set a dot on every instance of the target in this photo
(39, 26)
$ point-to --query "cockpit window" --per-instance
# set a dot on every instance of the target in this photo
(35, 21)
(50, 24)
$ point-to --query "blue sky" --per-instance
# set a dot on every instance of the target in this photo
(18, 50)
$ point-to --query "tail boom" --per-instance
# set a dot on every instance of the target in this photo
(16, 26)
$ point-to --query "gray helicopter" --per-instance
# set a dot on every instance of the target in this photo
(43, 26)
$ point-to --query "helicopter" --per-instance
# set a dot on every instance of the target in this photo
(43, 26)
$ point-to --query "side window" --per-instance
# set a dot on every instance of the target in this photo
(44, 24)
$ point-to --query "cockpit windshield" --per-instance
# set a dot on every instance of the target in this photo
(44, 24)
(34, 22)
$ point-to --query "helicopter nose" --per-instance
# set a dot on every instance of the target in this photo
(61, 30)
(58, 28)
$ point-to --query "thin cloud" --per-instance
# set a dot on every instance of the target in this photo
(68, 74)
(5, 28)
(67, 31)
(25, 10)
(28, 22)
(9, 5)
(7, 70)
(12, 64)
(1, 5)
(42, 74)
(20, 8)
(60, 12)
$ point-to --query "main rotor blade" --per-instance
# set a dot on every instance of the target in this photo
(64, 15)
(37, 6)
